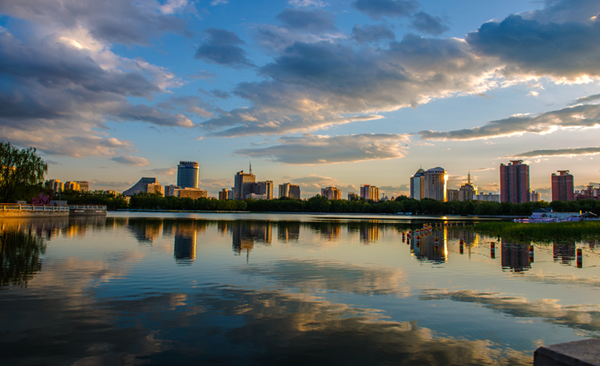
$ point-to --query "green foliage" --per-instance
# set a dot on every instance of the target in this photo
(112, 202)
(21, 173)
(546, 232)
(158, 202)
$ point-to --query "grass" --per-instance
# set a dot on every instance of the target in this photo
(549, 232)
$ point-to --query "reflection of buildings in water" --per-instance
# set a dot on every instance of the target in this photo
(565, 253)
(246, 233)
(515, 257)
(47, 227)
(427, 249)
(144, 230)
(185, 242)
(593, 244)
(79, 225)
(331, 232)
(20, 260)
(288, 231)
(369, 233)
(222, 227)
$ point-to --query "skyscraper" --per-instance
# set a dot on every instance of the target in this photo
(435, 181)
(289, 190)
(417, 185)
(188, 173)
(369, 192)
(241, 187)
(514, 182)
(332, 193)
(467, 191)
(562, 186)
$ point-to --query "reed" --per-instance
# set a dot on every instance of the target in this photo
(547, 232)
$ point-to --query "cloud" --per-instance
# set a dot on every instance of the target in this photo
(590, 98)
(372, 33)
(192, 104)
(115, 21)
(275, 39)
(481, 169)
(219, 2)
(377, 9)
(111, 185)
(429, 24)
(315, 20)
(162, 171)
(202, 75)
(218, 93)
(131, 160)
(559, 152)
(529, 47)
(222, 47)
(311, 149)
(580, 116)
(306, 3)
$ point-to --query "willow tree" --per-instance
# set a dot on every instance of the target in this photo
(19, 169)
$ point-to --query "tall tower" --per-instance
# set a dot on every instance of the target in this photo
(435, 184)
(417, 186)
(243, 184)
(514, 182)
(188, 173)
(562, 186)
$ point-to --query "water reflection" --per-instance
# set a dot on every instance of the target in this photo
(564, 253)
(515, 257)
(246, 233)
(19, 257)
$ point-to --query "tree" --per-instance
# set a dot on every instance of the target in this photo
(19, 169)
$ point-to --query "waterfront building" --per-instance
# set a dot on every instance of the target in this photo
(289, 190)
(435, 181)
(224, 194)
(147, 185)
(417, 185)
(562, 186)
(488, 197)
(534, 196)
(84, 185)
(55, 184)
(331, 193)
(170, 190)
(467, 191)
(590, 193)
(352, 196)
(71, 185)
(188, 174)
(369, 192)
(242, 184)
(514, 182)
(452, 195)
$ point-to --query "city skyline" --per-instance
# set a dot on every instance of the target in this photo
(315, 93)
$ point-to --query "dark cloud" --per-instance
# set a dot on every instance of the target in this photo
(429, 24)
(529, 47)
(218, 93)
(590, 98)
(117, 21)
(131, 160)
(377, 9)
(563, 11)
(372, 33)
(314, 20)
(222, 47)
(580, 116)
(310, 149)
(559, 152)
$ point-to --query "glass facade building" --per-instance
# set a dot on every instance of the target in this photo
(188, 173)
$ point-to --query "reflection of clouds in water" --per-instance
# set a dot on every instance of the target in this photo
(584, 318)
(321, 275)
(564, 280)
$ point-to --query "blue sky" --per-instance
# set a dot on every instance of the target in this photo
(316, 93)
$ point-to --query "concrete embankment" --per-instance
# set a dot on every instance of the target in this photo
(580, 353)
(14, 210)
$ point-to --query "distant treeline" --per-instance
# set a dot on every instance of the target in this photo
(321, 204)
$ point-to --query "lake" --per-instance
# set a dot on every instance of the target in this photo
(251, 289)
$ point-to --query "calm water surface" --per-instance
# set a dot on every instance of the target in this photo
(271, 289)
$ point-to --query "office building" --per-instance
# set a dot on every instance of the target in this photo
(224, 194)
(435, 181)
(590, 193)
(71, 185)
(467, 191)
(289, 190)
(417, 185)
(369, 192)
(452, 195)
(147, 185)
(514, 182)
(84, 185)
(188, 174)
(534, 196)
(562, 186)
(352, 196)
(55, 184)
(487, 197)
(242, 184)
(331, 193)
(261, 190)
(187, 192)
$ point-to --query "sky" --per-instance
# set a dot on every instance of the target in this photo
(316, 93)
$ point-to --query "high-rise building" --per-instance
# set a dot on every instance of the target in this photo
(435, 181)
(369, 192)
(224, 194)
(417, 185)
(331, 193)
(562, 186)
(188, 174)
(467, 191)
(514, 182)
(148, 185)
(242, 188)
(452, 195)
(489, 197)
(352, 196)
(71, 185)
(84, 185)
(261, 190)
(289, 190)
(534, 196)
(56, 185)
